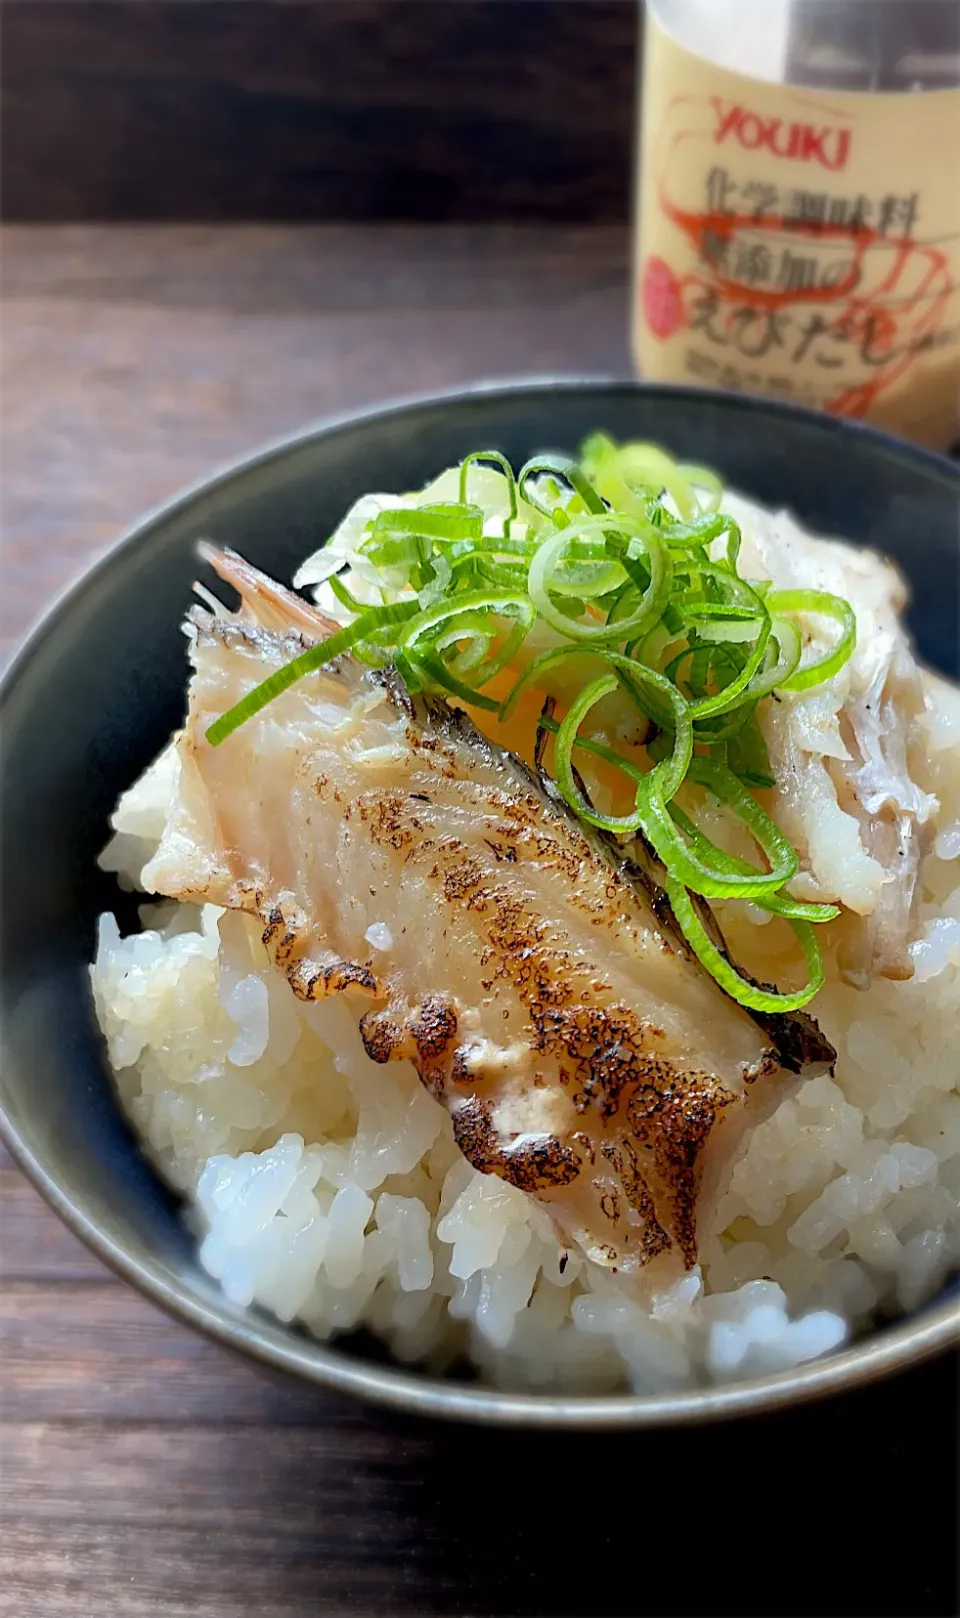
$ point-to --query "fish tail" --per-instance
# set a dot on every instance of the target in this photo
(262, 599)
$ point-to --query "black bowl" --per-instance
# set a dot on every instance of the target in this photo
(99, 686)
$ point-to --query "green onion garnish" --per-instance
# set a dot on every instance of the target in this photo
(748, 994)
(324, 652)
(622, 560)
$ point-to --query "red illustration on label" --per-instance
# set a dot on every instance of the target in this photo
(662, 301)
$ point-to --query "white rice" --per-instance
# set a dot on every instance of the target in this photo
(328, 1189)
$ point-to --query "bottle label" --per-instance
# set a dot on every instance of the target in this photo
(802, 243)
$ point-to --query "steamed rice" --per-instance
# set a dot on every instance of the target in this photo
(328, 1189)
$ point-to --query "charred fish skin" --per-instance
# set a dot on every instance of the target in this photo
(532, 981)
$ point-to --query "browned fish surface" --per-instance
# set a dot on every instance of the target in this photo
(529, 973)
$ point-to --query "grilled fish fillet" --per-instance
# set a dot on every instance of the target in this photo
(533, 975)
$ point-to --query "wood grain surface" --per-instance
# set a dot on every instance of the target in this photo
(317, 109)
(145, 1472)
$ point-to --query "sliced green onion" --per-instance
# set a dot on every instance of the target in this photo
(653, 598)
(708, 612)
(505, 575)
(586, 580)
(587, 744)
(404, 551)
(734, 539)
(438, 674)
(702, 531)
(599, 459)
(700, 580)
(732, 694)
(316, 657)
(695, 871)
(408, 671)
(474, 628)
(719, 967)
(723, 784)
(710, 734)
(701, 477)
(559, 466)
(566, 736)
(648, 466)
(638, 466)
(534, 672)
(669, 772)
(369, 655)
(493, 545)
(546, 562)
(495, 456)
(822, 604)
(445, 521)
(785, 637)
(779, 904)
(668, 703)
(469, 602)
(344, 596)
(508, 651)
(746, 753)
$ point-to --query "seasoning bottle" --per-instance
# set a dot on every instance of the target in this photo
(798, 215)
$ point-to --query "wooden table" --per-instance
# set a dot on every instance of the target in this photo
(144, 1470)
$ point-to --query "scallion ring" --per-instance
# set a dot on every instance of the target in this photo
(822, 604)
(746, 993)
(548, 558)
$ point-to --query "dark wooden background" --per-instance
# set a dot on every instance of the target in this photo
(144, 1472)
(317, 109)
(460, 171)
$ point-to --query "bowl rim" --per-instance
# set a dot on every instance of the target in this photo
(254, 1334)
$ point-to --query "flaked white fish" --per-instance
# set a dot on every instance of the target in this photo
(848, 756)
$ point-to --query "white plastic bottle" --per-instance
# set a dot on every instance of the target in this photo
(798, 213)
